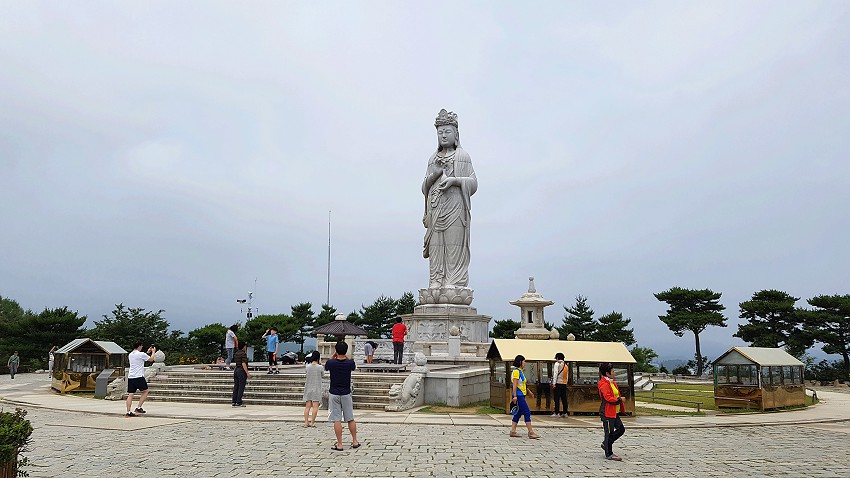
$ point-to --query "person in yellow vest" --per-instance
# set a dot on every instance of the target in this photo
(518, 393)
(559, 384)
(612, 403)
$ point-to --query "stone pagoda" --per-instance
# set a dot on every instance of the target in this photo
(531, 306)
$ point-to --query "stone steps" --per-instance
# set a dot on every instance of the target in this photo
(370, 390)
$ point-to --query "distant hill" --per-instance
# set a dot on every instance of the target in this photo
(670, 364)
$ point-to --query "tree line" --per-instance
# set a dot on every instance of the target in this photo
(33, 334)
(772, 319)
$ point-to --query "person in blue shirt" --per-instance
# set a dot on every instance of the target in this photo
(519, 390)
(272, 344)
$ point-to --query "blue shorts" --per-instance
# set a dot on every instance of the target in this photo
(523, 409)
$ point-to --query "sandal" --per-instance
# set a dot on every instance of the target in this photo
(514, 435)
(533, 436)
(336, 448)
(356, 446)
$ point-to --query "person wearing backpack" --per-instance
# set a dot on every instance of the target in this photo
(559, 384)
(518, 393)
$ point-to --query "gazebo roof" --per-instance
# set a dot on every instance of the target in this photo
(108, 347)
(339, 327)
(766, 356)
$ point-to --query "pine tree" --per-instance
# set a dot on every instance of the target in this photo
(326, 316)
(692, 310)
(304, 322)
(504, 329)
(578, 321)
(613, 328)
(773, 321)
(405, 304)
(377, 319)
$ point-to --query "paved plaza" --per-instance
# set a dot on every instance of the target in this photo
(270, 441)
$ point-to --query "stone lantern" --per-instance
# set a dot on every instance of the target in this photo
(531, 306)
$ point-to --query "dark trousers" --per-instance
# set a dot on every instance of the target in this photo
(240, 378)
(560, 396)
(398, 352)
(614, 429)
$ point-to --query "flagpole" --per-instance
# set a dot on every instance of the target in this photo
(328, 298)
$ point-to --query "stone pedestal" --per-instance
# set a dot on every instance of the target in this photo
(429, 326)
(454, 346)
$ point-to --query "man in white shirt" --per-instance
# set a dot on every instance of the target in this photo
(136, 377)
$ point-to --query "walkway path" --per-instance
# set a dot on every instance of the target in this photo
(84, 437)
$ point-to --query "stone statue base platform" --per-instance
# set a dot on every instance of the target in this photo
(430, 325)
(532, 334)
(446, 295)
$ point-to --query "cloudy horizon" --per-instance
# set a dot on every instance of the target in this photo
(165, 155)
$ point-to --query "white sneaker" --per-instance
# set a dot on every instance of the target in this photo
(554, 415)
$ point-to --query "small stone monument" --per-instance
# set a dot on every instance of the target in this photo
(454, 342)
(531, 306)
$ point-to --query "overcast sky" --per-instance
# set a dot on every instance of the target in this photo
(166, 154)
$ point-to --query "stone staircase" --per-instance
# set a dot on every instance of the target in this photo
(370, 389)
(643, 382)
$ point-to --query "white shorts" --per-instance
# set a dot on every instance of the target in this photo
(340, 408)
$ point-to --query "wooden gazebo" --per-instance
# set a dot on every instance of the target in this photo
(583, 359)
(77, 364)
(758, 377)
(342, 330)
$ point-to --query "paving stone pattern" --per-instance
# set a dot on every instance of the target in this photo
(64, 445)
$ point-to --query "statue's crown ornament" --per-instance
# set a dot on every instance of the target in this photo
(445, 118)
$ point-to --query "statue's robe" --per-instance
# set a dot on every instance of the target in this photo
(447, 220)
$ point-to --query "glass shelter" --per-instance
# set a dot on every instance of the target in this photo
(583, 359)
(758, 377)
(78, 363)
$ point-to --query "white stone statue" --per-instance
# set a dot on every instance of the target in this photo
(117, 389)
(449, 184)
(409, 394)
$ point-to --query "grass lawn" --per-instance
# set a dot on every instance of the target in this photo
(654, 412)
(670, 392)
(477, 408)
(703, 394)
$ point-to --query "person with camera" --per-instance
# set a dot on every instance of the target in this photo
(272, 345)
(136, 378)
(340, 404)
(240, 374)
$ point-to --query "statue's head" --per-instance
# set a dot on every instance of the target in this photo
(447, 135)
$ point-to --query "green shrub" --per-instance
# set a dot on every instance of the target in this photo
(826, 372)
(15, 431)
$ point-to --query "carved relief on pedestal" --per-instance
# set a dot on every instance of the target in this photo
(431, 330)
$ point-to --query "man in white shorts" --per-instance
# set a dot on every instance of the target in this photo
(136, 377)
(340, 404)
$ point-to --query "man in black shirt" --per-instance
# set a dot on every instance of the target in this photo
(240, 374)
(340, 404)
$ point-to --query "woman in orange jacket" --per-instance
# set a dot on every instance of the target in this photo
(612, 403)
